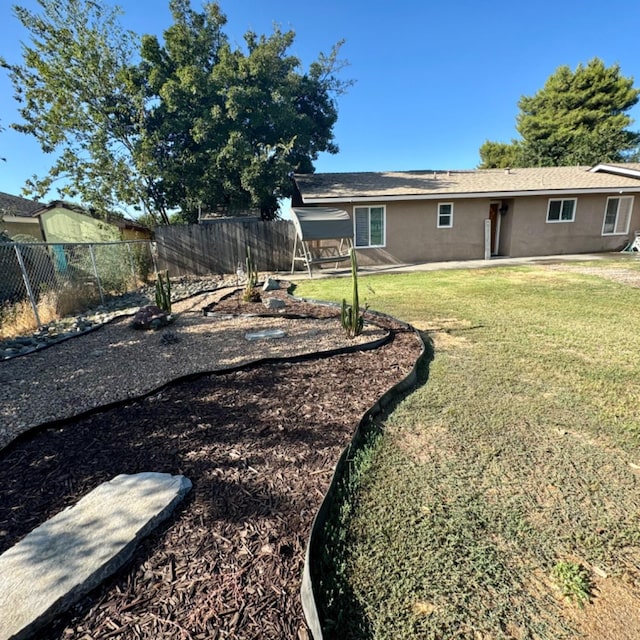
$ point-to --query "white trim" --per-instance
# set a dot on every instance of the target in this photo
(604, 219)
(475, 195)
(384, 226)
(8, 218)
(445, 226)
(619, 171)
(561, 200)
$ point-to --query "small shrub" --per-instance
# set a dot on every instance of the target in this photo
(574, 581)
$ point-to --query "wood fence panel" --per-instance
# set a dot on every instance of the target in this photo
(218, 246)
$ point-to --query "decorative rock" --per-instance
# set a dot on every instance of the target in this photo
(271, 284)
(69, 555)
(274, 303)
(125, 304)
(151, 317)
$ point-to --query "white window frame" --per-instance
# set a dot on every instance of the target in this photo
(450, 214)
(384, 226)
(562, 201)
(615, 224)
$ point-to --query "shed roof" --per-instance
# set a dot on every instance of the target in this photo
(324, 188)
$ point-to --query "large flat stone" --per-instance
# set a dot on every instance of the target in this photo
(70, 554)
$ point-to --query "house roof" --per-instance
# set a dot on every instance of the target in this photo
(324, 188)
(17, 206)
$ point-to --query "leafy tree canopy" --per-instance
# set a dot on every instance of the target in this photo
(576, 118)
(74, 100)
(189, 123)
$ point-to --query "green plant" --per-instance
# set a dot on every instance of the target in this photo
(163, 291)
(350, 316)
(574, 581)
(250, 294)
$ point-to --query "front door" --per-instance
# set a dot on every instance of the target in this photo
(494, 216)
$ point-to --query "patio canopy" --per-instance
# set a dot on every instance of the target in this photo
(321, 223)
(322, 235)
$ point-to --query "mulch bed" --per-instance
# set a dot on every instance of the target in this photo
(259, 445)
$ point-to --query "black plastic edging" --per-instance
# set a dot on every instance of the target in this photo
(54, 424)
(307, 594)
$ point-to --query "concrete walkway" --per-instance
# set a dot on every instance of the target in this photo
(72, 553)
(452, 264)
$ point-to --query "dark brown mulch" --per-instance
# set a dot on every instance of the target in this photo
(258, 444)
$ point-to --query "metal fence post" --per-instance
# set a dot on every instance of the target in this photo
(95, 272)
(27, 285)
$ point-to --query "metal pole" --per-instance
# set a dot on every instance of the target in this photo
(487, 239)
(95, 272)
(27, 284)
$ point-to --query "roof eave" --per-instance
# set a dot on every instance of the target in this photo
(453, 195)
(21, 219)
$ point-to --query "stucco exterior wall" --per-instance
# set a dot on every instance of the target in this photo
(412, 233)
(532, 235)
(64, 225)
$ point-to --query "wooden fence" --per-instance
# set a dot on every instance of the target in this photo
(218, 246)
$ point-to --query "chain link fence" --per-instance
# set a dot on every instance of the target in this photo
(41, 282)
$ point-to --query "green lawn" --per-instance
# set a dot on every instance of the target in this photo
(504, 491)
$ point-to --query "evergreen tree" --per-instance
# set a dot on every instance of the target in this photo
(576, 118)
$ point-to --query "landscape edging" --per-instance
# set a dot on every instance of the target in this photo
(409, 382)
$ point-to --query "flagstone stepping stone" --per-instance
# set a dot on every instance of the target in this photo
(265, 334)
(60, 561)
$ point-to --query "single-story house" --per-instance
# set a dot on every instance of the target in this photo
(420, 216)
(63, 222)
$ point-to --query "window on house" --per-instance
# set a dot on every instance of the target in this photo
(369, 226)
(617, 216)
(445, 215)
(561, 210)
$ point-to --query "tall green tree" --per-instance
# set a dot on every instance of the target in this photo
(578, 117)
(499, 155)
(229, 125)
(77, 101)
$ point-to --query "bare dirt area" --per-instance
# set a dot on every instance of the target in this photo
(259, 444)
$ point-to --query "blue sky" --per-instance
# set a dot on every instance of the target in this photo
(433, 80)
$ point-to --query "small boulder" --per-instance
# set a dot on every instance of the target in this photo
(151, 317)
(273, 303)
(271, 284)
